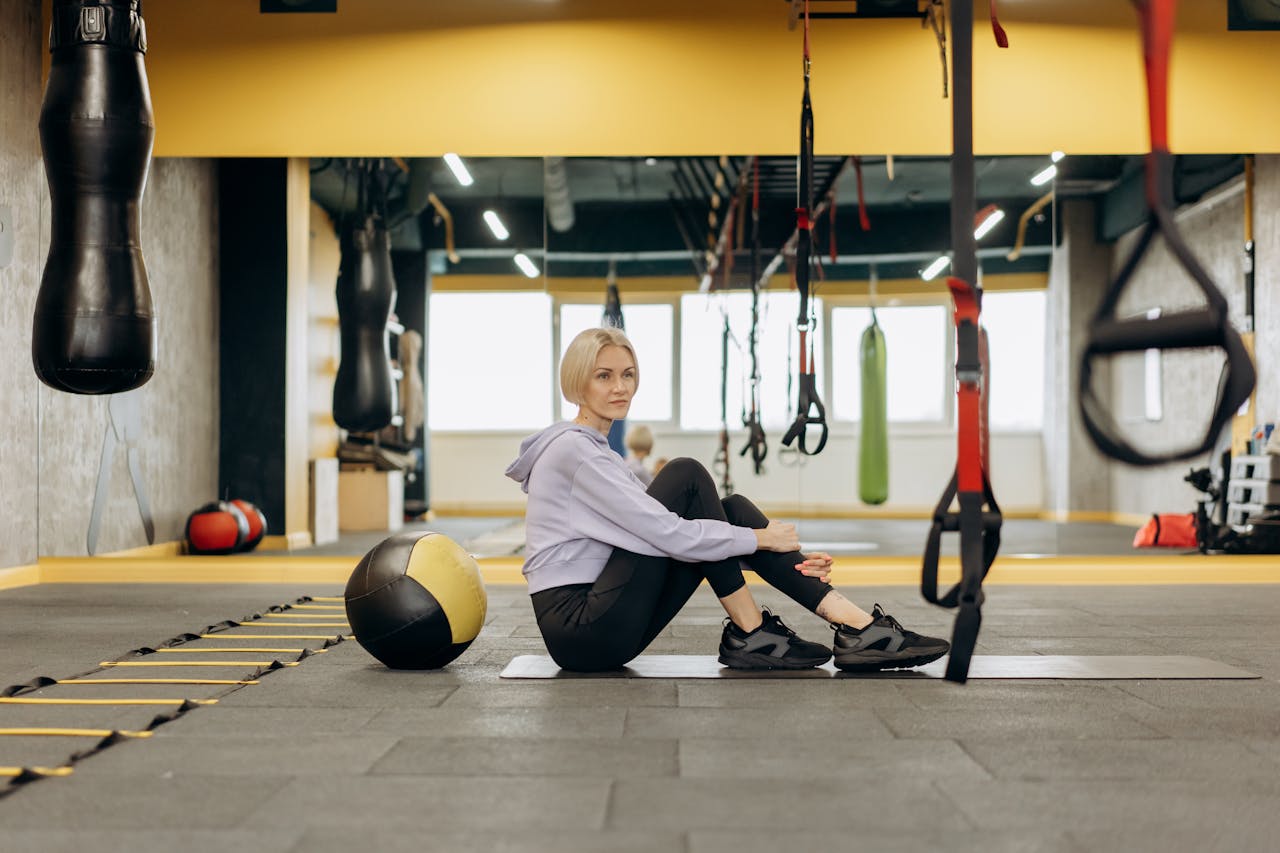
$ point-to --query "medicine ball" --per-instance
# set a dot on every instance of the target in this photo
(416, 601)
(257, 523)
(216, 528)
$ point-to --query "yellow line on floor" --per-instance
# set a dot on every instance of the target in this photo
(188, 650)
(22, 700)
(257, 623)
(89, 682)
(338, 620)
(317, 607)
(70, 733)
(191, 663)
(327, 598)
(227, 635)
(13, 772)
(1135, 569)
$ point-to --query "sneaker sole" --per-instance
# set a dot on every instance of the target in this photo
(865, 665)
(754, 660)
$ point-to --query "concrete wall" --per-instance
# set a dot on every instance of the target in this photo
(51, 442)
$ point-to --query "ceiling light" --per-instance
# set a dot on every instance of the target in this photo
(495, 225)
(459, 169)
(526, 265)
(651, 161)
(992, 220)
(940, 264)
(1056, 156)
(1044, 176)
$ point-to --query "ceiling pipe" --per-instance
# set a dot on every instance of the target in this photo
(555, 177)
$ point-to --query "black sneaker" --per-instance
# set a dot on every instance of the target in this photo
(884, 644)
(771, 646)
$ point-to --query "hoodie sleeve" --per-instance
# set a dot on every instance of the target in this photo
(608, 505)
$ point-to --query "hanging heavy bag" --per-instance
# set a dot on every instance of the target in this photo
(94, 331)
(363, 397)
(873, 452)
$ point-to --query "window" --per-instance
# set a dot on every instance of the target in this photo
(649, 328)
(1015, 338)
(701, 329)
(488, 361)
(916, 364)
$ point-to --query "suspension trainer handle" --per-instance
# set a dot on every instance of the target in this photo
(1203, 328)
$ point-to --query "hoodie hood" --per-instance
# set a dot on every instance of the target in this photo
(532, 448)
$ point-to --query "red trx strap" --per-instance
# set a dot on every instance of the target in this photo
(979, 530)
(809, 408)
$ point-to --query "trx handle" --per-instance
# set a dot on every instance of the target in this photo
(756, 443)
(1204, 328)
(809, 408)
(979, 529)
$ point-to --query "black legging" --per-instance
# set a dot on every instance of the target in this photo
(602, 625)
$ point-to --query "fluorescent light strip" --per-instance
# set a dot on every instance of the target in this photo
(459, 169)
(495, 225)
(987, 224)
(939, 264)
(1044, 176)
(1056, 156)
(526, 266)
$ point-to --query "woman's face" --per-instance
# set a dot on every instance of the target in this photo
(611, 386)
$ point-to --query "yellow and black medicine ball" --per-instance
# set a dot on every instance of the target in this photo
(416, 601)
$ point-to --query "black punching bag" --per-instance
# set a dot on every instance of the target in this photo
(94, 332)
(363, 395)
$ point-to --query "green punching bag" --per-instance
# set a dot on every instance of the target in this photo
(873, 455)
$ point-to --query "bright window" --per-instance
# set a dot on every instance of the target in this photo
(488, 361)
(649, 328)
(701, 329)
(1015, 339)
(916, 362)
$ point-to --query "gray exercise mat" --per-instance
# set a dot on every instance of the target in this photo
(1087, 667)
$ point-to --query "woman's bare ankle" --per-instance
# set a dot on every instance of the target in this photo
(834, 607)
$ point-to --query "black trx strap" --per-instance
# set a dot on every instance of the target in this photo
(809, 408)
(721, 463)
(756, 444)
(979, 530)
(1207, 327)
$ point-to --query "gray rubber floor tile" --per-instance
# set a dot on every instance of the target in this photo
(828, 694)
(41, 751)
(1026, 696)
(1086, 806)
(1219, 763)
(532, 756)
(807, 757)
(428, 803)
(148, 841)
(452, 841)
(138, 802)
(500, 722)
(129, 691)
(991, 643)
(750, 723)
(566, 693)
(78, 716)
(874, 836)
(1212, 837)
(223, 720)
(1050, 722)
(753, 804)
(1206, 695)
(1255, 721)
(340, 687)
(232, 755)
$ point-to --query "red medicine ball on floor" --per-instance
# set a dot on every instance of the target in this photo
(216, 528)
(257, 523)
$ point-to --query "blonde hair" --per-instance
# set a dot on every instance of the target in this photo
(580, 359)
(640, 439)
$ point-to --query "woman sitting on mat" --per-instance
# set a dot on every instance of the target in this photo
(609, 564)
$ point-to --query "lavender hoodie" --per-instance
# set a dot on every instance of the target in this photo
(584, 502)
